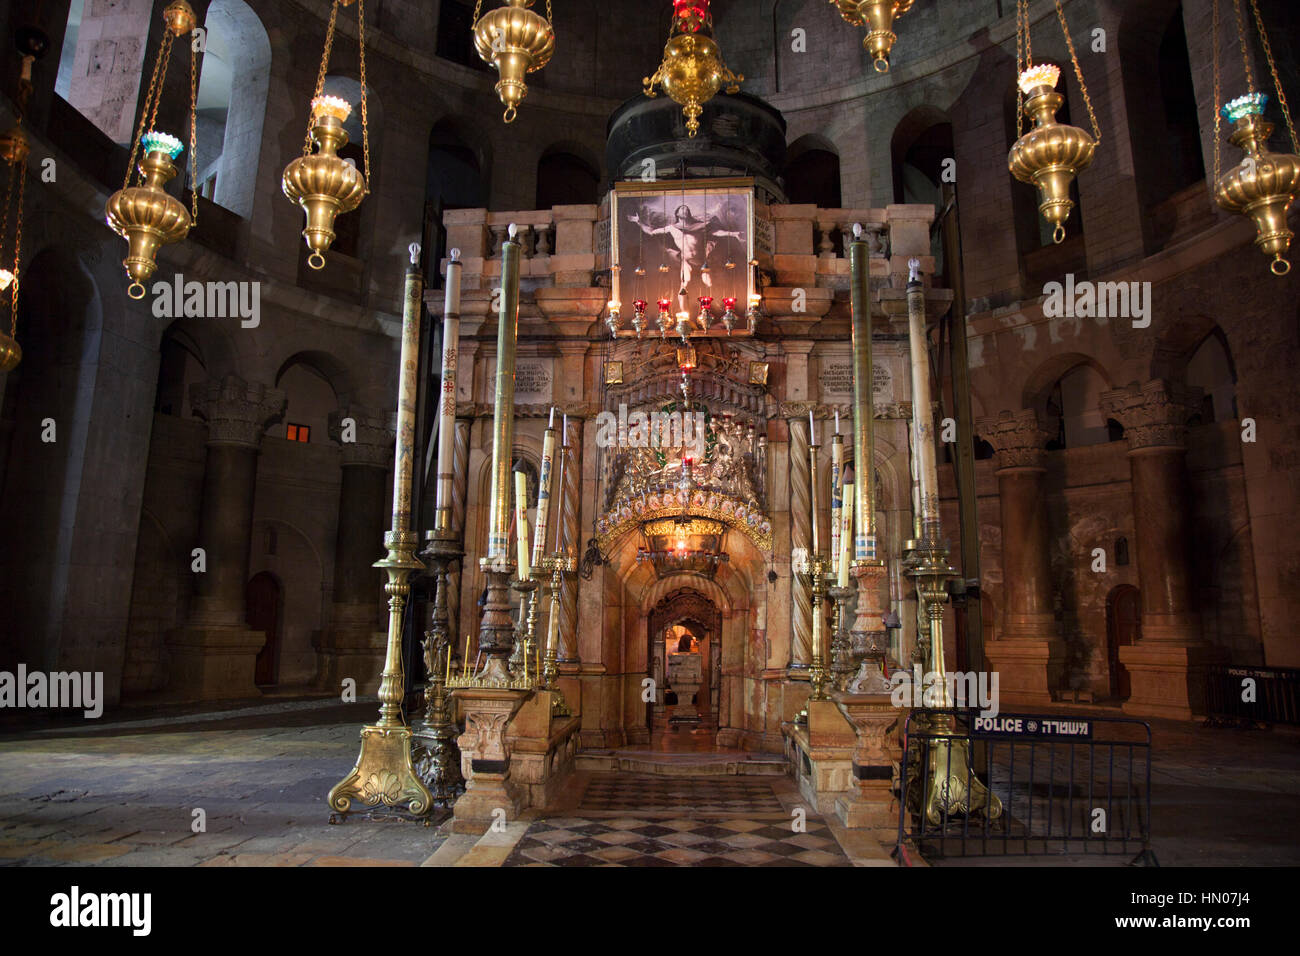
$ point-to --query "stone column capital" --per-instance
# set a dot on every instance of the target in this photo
(1154, 415)
(364, 435)
(1018, 437)
(237, 412)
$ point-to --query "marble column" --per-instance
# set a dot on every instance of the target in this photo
(1166, 665)
(800, 537)
(571, 540)
(213, 655)
(1029, 655)
(353, 645)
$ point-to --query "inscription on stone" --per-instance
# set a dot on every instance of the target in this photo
(837, 381)
(532, 382)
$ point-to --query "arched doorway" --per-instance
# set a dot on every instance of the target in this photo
(1123, 628)
(263, 600)
(685, 663)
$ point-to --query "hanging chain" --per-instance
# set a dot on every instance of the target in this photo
(1277, 83)
(155, 83)
(478, 5)
(4, 221)
(1241, 41)
(18, 245)
(549, 18)
(1214, 43)
(320, 75)
(194, 137)
(365, 123)
(1020, 67)
(1078, 73)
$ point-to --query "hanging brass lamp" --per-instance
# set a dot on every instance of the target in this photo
(1051, 154)
(13, 150)
(323, 183)
(692, 70)
(516, 41)
(879, 17)
(145, 214)
(1264, 184)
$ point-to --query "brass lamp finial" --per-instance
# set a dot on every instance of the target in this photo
(517, 42)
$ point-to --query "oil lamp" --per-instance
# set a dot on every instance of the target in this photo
(751, 314)
(683, 325)
(665, 317)
(13, 150)
(516, 41)
(729, 312)
(638, 316)
(1264, 184)
(878, 16)
(692, 70)
(611, 319)
(705, 318)
(145, 215)
(1051, 154)
(323, 183)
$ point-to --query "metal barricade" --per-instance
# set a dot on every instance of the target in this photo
(1063, 785)
(1245, 695)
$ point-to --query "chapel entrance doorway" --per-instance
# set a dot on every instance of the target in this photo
(685, 664)
(1123, 628)
(263, 604)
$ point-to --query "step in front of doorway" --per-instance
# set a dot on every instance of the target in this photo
(683, 765)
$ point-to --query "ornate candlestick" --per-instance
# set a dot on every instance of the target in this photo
(384, 772)
(558, 565)
(841, 652)
(926, 559)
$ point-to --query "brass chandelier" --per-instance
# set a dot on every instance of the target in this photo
(323, 183)
(1051, 154)
(14, 149)
(692, 70)
(145, 214)
(516, 41)
(878, 16)
(1264, 184)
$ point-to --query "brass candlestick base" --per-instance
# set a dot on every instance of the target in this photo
(384, 772)
(558, 565)
(841, 652)
(951, 787)
(496, 635)
(437, 757)
(522, 661)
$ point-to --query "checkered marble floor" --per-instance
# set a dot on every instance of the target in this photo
(642, 792)
(634, 820)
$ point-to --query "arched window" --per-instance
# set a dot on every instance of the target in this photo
(1181, 161)
(453, 180)
(565, 180)
(812, 173)
(179, 366)
(309, 400)
(1073, 409)
(232, 91)
(1210, 369)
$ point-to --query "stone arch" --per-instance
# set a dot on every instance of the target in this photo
(812, 172)
(566, 175)
(1039, 384)
(315, 384)
(232, 93)
(921, 140)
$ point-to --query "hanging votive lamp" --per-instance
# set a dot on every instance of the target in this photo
(665, 316)
(517, 42)
(1051, 154)
(878, 16)
(729, 313)
(1264, 184)
(145, 215)
(611, 319)
(13, 150)
(638, 316)
(692, 70)
(323, 183)
(705, 317)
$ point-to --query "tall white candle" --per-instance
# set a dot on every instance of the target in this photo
(447, 401)
(544, 492)
(845, 538)
(521, 522)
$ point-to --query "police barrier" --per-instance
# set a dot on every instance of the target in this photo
(1064, 784)
(1248, 695)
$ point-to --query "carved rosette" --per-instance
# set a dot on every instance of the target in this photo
(1154, 415)
(237, 412)
(1018, 438)
(371, 436)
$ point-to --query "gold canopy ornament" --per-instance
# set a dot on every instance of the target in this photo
(1264, 184)
(323, 183)
(516, 41)
(692, 70)
(146, 215)
(1051, 154)
(879, 17)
